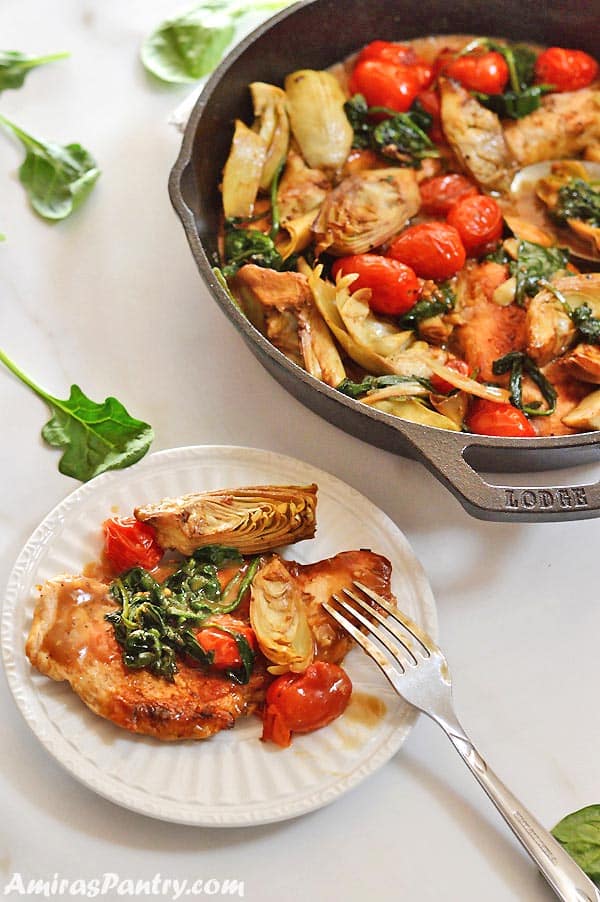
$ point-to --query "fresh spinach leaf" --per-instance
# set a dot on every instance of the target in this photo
(154, 622)
(441, 300)
(534, 265)
(518, 364)
(15, 66)
(579, 834)
(578, 200)
(56, 178)
(95, 437)
(587, 324)
(184, 49)
(372, 383)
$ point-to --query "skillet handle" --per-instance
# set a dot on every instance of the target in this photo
(443, 453)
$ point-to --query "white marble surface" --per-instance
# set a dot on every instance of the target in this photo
(111, 299)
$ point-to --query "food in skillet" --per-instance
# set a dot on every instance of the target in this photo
(371, 234)
(179, 646)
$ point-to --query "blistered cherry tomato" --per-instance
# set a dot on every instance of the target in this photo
(430, 101)
(486, 72)
(489, 418)
(388, 84)
(440, 193)
(567, 70)
(303, 702)
(433, 249)
(394, 286)
(439, 384)
(478, 221)
(224, 646)
(389, 51)
(130, 543)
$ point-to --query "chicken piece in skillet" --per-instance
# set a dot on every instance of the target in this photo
(565, 125)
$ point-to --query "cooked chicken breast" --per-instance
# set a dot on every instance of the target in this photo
(563, 126)
(486, 331)
(252, 519)
(476, 136)
(70, 640)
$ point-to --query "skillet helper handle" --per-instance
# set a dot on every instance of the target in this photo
(443, 453)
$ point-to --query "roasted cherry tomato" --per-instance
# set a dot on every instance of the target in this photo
(478, 221)
(439, 194)
(486, 72)
(389, 51)
(303, 702)
(440, 384)
(394, 286)
(388, 84)
(433, 249)
(489, 418)
(430, 101)
(567, 70)
(130, 543)
(224, 646)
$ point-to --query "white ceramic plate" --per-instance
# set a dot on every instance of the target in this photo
(232, 779)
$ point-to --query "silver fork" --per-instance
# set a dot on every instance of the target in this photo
(418, 671)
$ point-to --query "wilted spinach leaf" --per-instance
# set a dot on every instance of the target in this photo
(56, 178)
(441, 300)
(579, 833)
(372, 383)
(400, 137)
(587, 324)
(518, 364)
(512, 104)
(15, 66)
(578, 200)
(249, 246)
(95, 437)
(535, 264)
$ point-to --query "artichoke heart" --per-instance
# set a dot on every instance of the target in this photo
(301, 189)
(252, 519)
(243, 171)
(586, 416)
(279, 619)
(272, 124)
(550, 329)
(415, 411)
(315, 103)
(366, 210)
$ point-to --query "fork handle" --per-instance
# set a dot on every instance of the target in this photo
(564, 876)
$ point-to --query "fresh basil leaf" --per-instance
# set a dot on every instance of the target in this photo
(15, 66)
(95, 437)
(579, 834)
(578, 200)
(56, 178)
(535, 264)
(184, 49)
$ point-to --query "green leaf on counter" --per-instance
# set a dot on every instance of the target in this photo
(56, 178)
(579, 833)
(15, 66)
(184, 49)
(95, 437)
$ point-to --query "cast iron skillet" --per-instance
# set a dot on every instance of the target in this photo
(315, 34)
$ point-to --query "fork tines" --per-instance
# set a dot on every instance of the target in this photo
(404, 631)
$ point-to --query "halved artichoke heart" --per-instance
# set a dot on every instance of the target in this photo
(315, 103)
(279, 619)
(366, 210)
(252, 519)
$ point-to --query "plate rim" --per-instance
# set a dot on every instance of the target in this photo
(135, 799)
